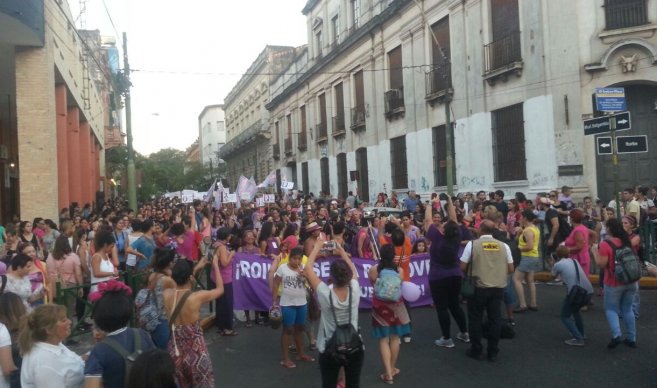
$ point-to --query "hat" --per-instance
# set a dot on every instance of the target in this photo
(291, 241)
(311, 227)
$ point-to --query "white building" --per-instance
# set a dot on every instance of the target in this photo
(368, 97)
(211, 133)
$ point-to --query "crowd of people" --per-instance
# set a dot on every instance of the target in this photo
(54, 274)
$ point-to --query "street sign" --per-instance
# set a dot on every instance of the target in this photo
(632, 144)
(610, 99)
(603, 144)
(601, 124)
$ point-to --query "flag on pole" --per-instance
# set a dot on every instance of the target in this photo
(269, 181)
(208, 196)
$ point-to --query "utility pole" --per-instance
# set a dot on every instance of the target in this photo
(132, 189)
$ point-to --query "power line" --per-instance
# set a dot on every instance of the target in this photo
(109, 16)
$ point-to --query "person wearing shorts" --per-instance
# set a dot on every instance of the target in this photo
(530, 263)
(293, 304)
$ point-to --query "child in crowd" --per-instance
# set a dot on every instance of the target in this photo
(294, 305)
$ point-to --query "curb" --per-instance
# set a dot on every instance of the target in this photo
(645, 282)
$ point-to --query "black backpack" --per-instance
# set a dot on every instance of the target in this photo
(346, 339)
(128, 358)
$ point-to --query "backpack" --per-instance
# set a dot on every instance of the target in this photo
(627, 267)
(128, 358)
(388, 286)
(346, 340)
(148, 313)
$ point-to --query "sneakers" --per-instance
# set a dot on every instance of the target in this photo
(465, 337)
(614, 343)
(574, 342)
(445, 343)
(629, 343)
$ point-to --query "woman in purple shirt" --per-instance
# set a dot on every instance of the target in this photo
(445, 275)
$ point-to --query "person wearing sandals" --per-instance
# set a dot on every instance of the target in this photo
(294, 305)
(339, 305)
(390, 320)
(528, 238)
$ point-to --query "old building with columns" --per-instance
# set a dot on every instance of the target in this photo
(365, 106)
(52, 114)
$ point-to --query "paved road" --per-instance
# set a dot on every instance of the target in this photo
(536, 357)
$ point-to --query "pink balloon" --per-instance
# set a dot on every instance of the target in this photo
(411, 291)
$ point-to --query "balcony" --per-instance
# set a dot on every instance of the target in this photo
(503, 57)
(629, 13)
(438, 83)
(394, 100)
(243, 139)
(321, 134)
(358, 118)
(288, 146)
(276, 151)
(302, 141)
(338, 126)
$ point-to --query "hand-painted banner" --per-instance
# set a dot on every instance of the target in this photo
(251, 289)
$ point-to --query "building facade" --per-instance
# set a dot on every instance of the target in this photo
(52, 116)
(211, 133)
(248, 151)
(365, 106)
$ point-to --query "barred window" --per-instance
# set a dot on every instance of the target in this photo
(324, 170)
(508, 129)
(342, 175)
(398, 163)
(363, 177)
(625, 13)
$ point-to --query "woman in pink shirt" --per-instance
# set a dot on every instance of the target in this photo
(578, 240)
(64, 268)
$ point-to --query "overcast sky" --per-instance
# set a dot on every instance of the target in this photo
(167, 41)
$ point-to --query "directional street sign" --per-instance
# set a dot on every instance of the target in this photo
(601, 124)
(610, 99)
(632, 144)
(603, 144)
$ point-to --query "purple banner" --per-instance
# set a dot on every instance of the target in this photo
(251, 289)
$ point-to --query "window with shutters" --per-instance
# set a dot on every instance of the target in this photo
(276, 149)
(338, 119)
(439, 77)
(304, 177)
(394, 97)
(288, 137)
(358, 111)
(341, 160)
(324, 172)
(503, 54)
(321, 130)
(508, 129)
(302, 141)
(398, 164)
(625, 13)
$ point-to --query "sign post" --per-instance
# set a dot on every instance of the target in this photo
(611, 100)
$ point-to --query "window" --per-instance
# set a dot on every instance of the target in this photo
(276, 150)
(321, 126)
(363, 177)
(394, 97)
(398, 163)
(338, 119)
(288, 137)
(221, 126)
(505, 46)
(319, 45)
(342, 175)
(335, 25)
(304, 177)
(355, 13)
(509, 144)
(358, 111)
(302, 141)
(439, 156)
(440, 77)
(625, 13)
(324, 171)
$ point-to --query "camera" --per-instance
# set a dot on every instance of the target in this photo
(329, 245)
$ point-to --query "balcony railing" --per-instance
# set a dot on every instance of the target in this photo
(244, 138)
(626, 13)
(357, 118)
(438, 80)
(288, 146)
(321, 132)
(276, 151)
(394, 100)
(503, 52)
(338, 125)
(302, 141)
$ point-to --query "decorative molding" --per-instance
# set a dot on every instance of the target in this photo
(603, 64)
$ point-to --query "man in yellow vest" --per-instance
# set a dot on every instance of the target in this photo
(491, 262)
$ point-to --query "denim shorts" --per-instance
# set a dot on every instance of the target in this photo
(529, 264)
(294, 315)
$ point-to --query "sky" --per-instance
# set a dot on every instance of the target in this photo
(170, 41)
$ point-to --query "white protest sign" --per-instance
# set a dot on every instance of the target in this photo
(260, 201)
(287, 185)
(269, 198)
(232, 198)
(188, 198)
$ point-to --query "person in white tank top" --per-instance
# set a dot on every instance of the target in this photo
(102, 268)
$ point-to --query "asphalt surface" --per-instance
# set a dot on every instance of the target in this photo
(537, 357)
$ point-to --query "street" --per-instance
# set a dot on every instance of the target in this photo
(536, 357)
